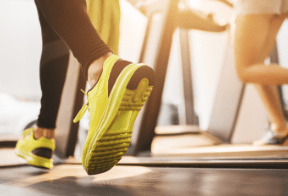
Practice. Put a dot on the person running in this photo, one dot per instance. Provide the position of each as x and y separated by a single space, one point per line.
257 25
118 91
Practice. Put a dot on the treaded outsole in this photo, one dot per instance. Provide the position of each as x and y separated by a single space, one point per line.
104 158
112 145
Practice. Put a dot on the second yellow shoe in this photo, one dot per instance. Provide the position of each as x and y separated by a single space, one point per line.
37 153
112 112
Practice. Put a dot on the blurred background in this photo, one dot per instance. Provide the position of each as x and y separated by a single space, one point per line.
20 50
201 141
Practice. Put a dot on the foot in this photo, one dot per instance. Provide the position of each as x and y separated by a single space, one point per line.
95 69
114 103
37 152
272 138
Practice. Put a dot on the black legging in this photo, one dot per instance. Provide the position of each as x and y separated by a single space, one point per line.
63 21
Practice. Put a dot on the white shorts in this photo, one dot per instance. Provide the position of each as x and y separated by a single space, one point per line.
245 7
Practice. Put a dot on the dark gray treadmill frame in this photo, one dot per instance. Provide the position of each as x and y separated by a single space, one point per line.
169 9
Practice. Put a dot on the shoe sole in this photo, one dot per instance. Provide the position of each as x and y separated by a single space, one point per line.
36 161
113 133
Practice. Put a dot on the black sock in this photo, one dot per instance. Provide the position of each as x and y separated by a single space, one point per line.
115 72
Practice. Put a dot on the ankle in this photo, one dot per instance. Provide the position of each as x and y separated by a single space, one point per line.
44 132
95 69
279 130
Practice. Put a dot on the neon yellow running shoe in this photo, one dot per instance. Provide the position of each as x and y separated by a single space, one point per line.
37 153
114 103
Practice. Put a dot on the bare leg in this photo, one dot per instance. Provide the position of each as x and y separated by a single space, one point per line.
254 38
44 132
271 100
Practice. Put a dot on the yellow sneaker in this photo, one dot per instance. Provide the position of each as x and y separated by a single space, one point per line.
37 153
112 114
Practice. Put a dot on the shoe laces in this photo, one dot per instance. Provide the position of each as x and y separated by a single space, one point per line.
82 110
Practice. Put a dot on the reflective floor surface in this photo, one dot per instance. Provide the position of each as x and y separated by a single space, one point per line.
71 179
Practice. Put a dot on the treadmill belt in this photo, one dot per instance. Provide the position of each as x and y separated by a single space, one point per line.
139 181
